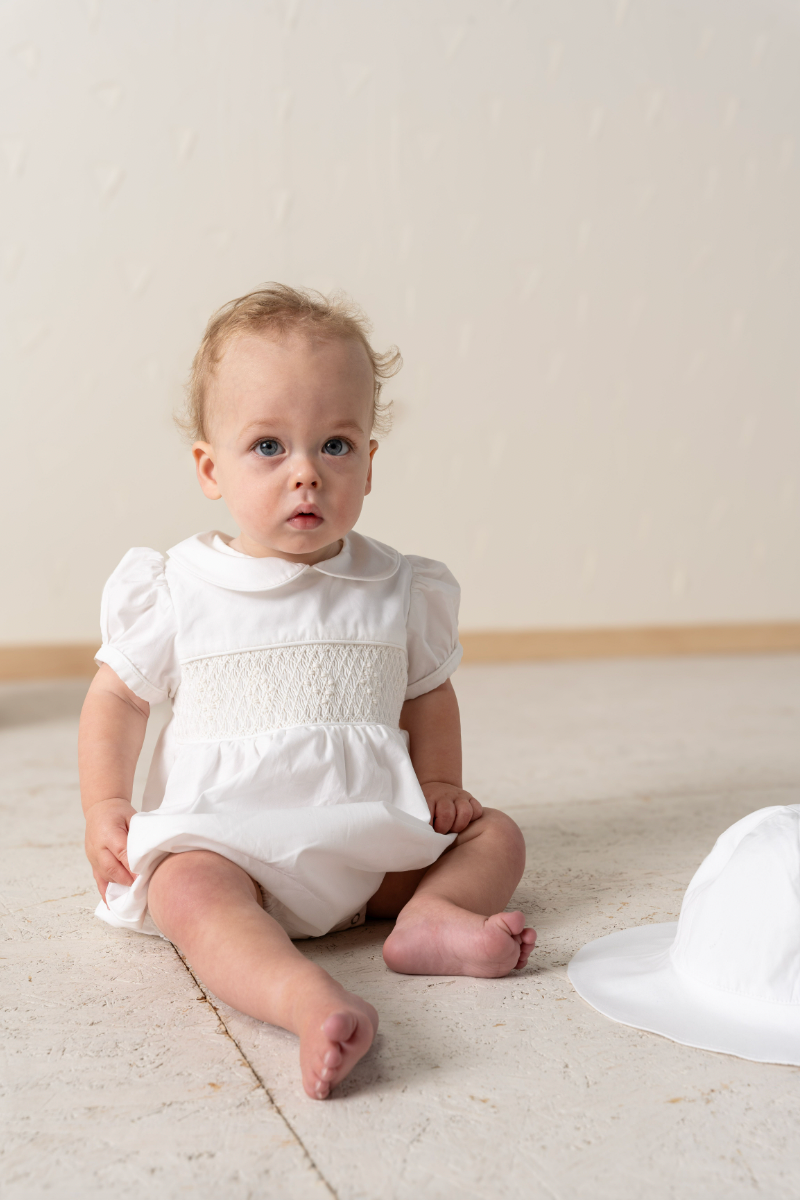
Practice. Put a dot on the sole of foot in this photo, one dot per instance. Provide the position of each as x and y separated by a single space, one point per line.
439 938
334 1037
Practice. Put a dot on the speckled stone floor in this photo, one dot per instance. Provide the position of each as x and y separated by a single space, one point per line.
122 1077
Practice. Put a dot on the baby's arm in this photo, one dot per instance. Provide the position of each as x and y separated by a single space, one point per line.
434 729
113 723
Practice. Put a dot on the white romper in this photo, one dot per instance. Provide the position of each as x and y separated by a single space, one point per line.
284 752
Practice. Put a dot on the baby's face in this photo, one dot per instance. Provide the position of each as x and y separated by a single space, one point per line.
290 449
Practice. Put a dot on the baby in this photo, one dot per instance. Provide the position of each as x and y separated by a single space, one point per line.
310 775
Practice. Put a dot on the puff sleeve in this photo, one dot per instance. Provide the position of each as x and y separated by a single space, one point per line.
432 642
138 624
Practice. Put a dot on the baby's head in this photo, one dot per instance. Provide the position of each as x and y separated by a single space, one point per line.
284 397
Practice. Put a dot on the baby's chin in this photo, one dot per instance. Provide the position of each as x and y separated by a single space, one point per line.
313 544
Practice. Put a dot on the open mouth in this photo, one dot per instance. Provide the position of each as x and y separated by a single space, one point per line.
305 517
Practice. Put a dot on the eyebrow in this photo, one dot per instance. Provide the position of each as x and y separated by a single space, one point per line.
266 424
348 425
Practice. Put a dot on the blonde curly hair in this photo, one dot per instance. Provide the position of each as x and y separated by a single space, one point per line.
279 309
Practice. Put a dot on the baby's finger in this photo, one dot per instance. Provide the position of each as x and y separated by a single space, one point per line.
463 813
477 808
102 884
112 869
444 816
117 843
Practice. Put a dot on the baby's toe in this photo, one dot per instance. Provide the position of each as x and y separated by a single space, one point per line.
514 922
339 1027
330 1062
315 1086
510 924
331 1049
526 943
326 1067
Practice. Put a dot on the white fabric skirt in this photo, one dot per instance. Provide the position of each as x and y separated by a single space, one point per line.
316 815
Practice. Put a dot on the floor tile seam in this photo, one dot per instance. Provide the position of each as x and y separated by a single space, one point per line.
52 900
258 1078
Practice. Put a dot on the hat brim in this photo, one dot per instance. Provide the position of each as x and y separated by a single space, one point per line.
629 977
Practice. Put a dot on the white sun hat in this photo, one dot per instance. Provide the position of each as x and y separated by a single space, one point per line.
726 976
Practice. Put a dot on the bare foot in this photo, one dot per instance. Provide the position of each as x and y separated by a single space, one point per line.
433 936
336 1029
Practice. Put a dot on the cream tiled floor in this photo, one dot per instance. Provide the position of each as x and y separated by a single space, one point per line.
122 1078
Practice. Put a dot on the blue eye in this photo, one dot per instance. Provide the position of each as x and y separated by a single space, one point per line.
336 447
268 448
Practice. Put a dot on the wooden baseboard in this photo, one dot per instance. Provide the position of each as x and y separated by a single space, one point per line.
74 660
499 645
526 645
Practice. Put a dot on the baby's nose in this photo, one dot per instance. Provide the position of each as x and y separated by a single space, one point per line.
305 476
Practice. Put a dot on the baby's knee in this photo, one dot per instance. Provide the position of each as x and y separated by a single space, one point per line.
169 892
182 884
500 828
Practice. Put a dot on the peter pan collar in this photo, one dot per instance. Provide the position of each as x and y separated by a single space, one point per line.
360 559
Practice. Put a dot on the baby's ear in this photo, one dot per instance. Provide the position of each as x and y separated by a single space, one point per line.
205 465
373 446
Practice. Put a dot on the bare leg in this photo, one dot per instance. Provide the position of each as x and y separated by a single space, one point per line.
450 919
210 909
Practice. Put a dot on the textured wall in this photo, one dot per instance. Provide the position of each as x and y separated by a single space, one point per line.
578 220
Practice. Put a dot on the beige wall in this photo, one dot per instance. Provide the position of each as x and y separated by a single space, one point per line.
579 220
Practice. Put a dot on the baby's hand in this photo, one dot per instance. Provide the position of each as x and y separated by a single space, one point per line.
107 825
452 809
